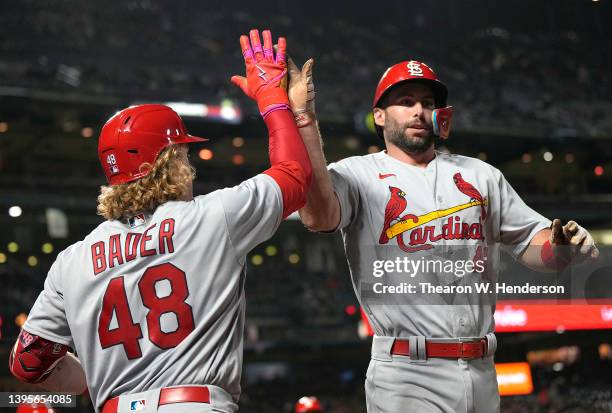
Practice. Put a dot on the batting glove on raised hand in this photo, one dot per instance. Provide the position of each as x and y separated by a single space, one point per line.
301 92
580 242
266 74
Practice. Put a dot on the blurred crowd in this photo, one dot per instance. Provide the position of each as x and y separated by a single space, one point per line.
549 80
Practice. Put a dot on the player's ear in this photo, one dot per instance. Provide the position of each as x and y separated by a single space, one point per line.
379 117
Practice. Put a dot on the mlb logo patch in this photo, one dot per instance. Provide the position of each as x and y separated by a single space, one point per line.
137 405
137 220
111 160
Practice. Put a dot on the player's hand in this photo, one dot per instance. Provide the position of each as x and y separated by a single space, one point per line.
266 74
301 92
578 241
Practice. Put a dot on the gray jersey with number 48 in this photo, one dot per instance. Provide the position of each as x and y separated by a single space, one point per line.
159 300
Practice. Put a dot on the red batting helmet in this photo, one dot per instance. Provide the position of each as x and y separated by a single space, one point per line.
413 71
33 408
135 136
308 404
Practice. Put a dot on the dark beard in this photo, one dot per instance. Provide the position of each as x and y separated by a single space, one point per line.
395 134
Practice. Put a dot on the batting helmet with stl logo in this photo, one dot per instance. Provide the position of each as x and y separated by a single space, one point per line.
308 404
410 71
135 136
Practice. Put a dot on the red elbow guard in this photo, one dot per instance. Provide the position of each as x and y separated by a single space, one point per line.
33 358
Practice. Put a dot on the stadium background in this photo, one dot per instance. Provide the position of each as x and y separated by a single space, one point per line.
530 81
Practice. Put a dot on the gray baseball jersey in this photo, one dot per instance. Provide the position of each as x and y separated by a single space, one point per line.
159 300
453 209
457 209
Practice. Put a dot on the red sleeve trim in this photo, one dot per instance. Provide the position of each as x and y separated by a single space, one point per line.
292 181
286 144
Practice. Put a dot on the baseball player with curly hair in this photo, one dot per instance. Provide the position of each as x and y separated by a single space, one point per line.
411 201
152 300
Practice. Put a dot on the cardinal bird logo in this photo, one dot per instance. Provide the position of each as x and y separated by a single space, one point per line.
395 206
421 235
469 189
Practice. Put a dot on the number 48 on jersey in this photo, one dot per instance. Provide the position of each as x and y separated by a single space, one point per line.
128 333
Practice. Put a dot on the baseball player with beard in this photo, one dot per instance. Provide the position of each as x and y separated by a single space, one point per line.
152 300
411 201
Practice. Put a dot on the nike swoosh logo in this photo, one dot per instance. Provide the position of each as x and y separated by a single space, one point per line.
383 176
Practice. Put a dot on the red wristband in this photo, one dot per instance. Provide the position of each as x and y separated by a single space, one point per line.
304 118
272 96
552 258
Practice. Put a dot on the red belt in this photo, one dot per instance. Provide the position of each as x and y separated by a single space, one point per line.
169 395
454 350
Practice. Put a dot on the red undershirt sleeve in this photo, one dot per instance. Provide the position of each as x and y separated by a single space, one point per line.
291 168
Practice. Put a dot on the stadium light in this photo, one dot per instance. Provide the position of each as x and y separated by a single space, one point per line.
257 260
32 261
350 309
87 132
189 109
238 159
238 142
15 211
229 113
12 247
206 154
20 319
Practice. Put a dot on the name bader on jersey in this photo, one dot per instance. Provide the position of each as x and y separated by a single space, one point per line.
118 250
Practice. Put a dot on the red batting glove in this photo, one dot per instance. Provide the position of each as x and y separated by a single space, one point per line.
266 75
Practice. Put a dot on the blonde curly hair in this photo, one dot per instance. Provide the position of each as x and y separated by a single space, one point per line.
170 179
